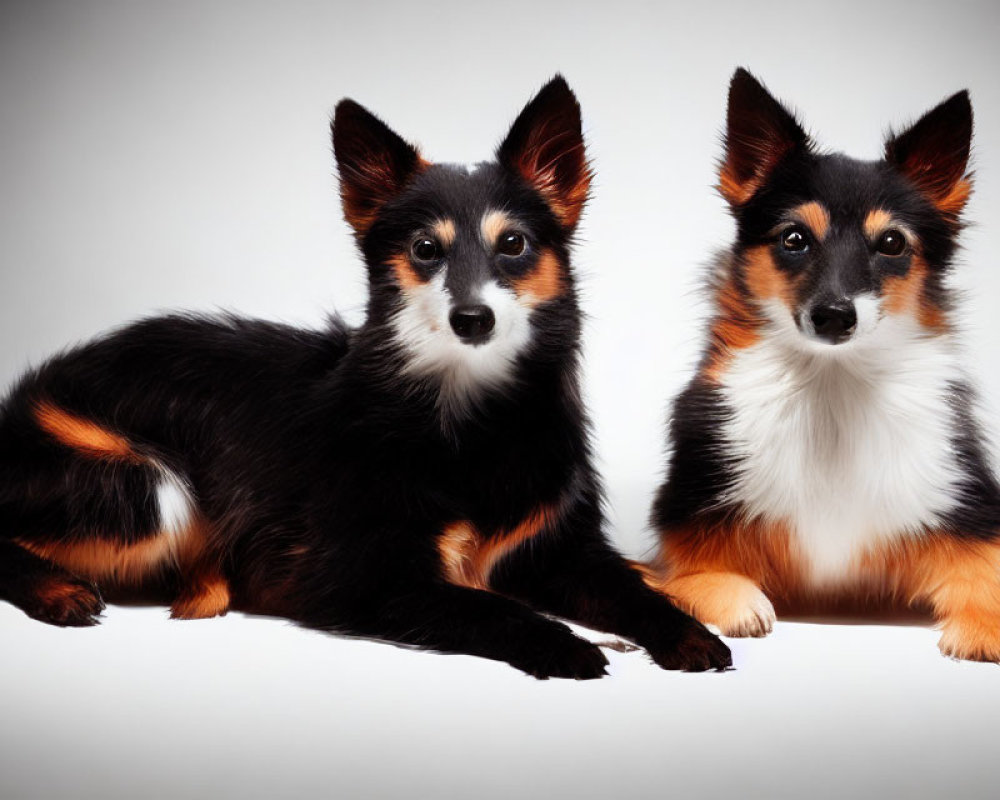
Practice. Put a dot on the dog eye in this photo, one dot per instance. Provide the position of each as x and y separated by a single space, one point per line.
511 244
794 240
891 243
426 250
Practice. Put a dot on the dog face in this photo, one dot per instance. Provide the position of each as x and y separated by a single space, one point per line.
838 254
468 268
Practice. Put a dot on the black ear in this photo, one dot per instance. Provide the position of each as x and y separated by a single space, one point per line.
545 147
760 132
373 161
934 153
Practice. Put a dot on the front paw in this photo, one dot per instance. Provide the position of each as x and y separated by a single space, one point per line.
733 603
66 601
563 656
693 649
971 637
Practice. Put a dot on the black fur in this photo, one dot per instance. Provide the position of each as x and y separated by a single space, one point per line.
325 472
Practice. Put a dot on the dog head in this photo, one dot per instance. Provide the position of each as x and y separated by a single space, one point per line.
468 268
836 253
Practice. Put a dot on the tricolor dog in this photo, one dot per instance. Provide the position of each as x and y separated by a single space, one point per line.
424 479
826 451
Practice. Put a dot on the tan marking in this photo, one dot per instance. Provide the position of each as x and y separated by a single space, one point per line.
101 559
815 217
715 571
55 591
492 225
958 578
206 596
444 232
545 168
731 602
82 435
543 283
735 191
953 202
406 275
907 294
739 321
468 557
763 278
364 193
876 222
735 327
759 550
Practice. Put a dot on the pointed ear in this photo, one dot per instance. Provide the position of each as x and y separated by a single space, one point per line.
760 132
934 154
545 147
374 163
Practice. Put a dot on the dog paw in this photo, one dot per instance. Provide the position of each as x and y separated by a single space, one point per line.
751 614
730 602
694 649
204 599
971 638
66 601
569 657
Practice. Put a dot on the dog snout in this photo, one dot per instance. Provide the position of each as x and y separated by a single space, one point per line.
472 323
834 322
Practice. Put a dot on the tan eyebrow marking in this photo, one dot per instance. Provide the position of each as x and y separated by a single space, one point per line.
493 224
444 232
815 217
876 221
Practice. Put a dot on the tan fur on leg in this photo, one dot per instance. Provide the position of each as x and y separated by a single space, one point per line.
961 581
731 602
207 596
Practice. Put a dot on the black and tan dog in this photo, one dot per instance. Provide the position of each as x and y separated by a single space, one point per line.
826 453
424 479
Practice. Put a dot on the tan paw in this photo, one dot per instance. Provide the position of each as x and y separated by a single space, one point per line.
206 598
730 602
971 637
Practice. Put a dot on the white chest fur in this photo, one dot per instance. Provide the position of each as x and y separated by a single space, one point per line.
849 447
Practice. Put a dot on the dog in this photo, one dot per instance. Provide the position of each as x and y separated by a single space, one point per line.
826 453
424 479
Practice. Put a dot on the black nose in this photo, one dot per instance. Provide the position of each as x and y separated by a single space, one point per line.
834 322
472 323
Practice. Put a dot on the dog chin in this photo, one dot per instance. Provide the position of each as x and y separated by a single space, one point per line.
463 371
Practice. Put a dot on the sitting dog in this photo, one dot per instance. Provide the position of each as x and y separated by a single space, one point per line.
826 450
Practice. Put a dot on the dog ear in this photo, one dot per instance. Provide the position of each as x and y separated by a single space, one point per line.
934 153
760 132
545 147
373 162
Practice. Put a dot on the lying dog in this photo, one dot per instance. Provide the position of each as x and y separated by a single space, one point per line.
424 479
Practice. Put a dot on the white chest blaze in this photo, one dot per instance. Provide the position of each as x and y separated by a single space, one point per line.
850 446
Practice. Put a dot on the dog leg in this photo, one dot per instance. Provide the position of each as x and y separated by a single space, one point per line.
456 619
45 591
961 580
205 595
589 582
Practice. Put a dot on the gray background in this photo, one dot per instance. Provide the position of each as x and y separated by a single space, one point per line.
176 155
